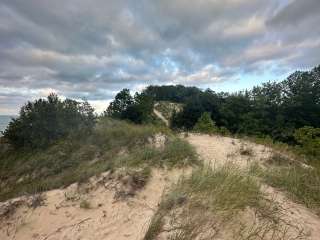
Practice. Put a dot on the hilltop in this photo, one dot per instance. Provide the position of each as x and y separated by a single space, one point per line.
171 162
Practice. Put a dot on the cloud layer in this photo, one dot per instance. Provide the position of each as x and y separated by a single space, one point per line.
92 48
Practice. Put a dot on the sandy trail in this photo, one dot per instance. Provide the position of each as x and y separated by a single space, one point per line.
217 151
159 115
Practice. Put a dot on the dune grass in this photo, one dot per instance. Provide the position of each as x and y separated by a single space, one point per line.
112 144
214 203
300 182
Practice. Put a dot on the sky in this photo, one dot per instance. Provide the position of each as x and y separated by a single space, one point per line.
91 49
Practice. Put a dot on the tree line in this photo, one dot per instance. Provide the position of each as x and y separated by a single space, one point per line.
274 109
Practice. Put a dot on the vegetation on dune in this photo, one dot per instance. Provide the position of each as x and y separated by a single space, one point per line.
211 203
275 109
300 182
177 94
54 143
205 124
308 139
137 109
45 121
112 144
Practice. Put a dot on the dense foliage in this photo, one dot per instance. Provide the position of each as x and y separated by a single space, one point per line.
137 109
46 120
205 124
309 140
275 109
178 94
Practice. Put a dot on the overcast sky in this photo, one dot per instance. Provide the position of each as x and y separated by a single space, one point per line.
90 49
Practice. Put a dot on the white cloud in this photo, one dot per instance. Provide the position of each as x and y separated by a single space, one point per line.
92 49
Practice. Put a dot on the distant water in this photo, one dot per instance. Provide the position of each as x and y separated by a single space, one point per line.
4 121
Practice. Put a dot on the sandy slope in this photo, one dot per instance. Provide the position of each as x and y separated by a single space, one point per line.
217 150
62 218
159 115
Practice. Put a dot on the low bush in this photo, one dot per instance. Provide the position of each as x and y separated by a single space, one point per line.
85 204
205 124
309 140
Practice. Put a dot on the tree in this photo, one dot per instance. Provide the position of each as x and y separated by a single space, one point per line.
44 121
309 139
188 117
140 111
120 104
205 124
137 109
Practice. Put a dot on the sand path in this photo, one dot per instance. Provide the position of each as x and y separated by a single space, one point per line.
217 150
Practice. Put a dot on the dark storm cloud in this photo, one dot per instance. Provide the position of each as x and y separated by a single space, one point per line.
91 49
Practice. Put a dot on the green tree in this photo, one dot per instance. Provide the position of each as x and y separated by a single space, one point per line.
205 124
140 111
46 120
137 109
121 102
309 139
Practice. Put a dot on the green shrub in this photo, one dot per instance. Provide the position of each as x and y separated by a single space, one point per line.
85 204
44 121
309 139
175 153
224 131
205 124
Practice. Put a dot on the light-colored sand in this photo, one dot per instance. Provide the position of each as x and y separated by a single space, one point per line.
217 150
159 115
61 218
107 218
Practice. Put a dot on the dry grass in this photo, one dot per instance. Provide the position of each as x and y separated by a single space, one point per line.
300 182
246 150
112 145
85 204
225 202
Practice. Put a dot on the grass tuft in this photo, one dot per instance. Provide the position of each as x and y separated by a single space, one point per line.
219 203
301 183
85 204
246 150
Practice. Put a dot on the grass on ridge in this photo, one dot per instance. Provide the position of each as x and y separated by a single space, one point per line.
300 182
113 144
217 202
